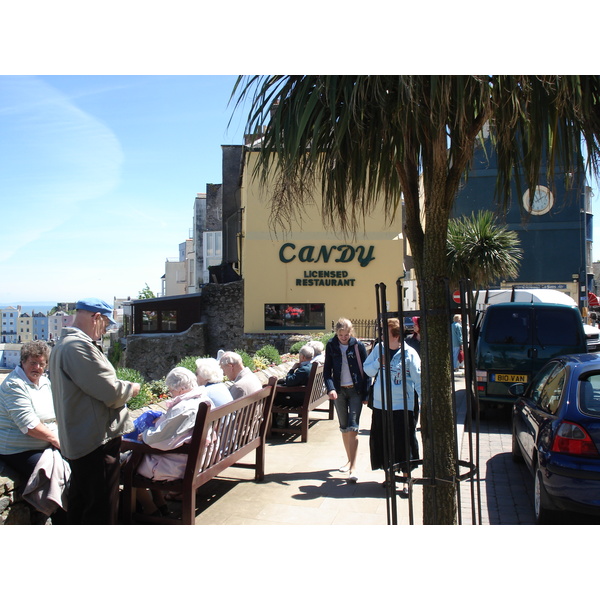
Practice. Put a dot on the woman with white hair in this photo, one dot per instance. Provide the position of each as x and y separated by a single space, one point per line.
210 375
174 428
319 351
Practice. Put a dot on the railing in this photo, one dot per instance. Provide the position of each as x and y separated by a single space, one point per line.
363 328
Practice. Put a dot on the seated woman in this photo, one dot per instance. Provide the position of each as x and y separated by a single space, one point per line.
174 428
27 420
319 350
210 375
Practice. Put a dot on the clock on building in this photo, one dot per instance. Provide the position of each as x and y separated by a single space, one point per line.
540 202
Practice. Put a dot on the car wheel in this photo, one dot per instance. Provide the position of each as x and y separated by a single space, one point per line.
543 515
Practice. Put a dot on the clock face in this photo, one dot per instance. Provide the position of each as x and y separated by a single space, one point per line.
540 202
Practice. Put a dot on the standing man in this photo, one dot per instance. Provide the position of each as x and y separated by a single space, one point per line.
457 340
89 402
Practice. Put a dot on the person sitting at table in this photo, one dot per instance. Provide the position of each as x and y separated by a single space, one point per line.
210 375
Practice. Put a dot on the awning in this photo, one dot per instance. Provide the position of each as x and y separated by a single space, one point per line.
593 300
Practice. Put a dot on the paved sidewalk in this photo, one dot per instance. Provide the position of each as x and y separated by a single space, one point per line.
303 486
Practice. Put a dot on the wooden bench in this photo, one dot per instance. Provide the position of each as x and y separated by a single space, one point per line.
315 394
234 430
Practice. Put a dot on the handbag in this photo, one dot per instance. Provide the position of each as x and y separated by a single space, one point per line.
461 356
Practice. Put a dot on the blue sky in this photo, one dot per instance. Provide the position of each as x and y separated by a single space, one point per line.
98 172
99 176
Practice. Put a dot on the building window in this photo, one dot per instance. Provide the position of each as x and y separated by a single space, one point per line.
149 320
159 321
294 316
169 320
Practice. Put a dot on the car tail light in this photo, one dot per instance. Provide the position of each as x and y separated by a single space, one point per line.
573 439
482 377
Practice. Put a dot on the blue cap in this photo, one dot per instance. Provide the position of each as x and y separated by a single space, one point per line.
95 305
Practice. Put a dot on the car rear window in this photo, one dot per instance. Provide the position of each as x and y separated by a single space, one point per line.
508 326
589 395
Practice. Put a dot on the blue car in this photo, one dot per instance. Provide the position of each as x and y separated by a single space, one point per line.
556 431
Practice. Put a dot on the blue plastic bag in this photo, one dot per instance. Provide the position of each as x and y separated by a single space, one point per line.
143 422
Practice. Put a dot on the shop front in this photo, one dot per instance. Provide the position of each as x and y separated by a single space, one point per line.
306 278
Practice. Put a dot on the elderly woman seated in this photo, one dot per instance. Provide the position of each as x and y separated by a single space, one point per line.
27 419
28 428
171 430
319 350
210 375
174 428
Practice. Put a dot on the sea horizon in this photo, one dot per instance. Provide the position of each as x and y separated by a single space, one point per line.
42 306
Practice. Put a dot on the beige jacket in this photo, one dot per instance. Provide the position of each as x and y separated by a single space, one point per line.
89 400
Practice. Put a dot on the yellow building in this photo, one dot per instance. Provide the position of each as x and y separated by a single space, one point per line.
25 328
307 278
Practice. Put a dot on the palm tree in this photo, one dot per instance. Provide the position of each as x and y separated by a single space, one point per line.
481 250
364 140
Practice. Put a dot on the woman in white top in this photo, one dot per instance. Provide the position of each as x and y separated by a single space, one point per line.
346 385
27 418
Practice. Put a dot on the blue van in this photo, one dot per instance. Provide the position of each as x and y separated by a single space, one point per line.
517 338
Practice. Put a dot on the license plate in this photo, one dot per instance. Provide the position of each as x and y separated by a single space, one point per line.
509 378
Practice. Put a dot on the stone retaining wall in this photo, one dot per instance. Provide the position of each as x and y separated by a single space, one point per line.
13 509
154 355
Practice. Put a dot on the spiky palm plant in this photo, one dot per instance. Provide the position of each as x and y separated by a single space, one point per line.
481 250
366 141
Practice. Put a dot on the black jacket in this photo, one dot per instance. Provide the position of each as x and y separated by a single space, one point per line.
332 369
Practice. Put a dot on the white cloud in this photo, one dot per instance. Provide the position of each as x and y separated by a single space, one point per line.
55 156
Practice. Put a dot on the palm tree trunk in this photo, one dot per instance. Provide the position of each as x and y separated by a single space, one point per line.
438 429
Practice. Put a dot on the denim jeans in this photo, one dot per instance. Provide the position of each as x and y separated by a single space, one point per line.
348 405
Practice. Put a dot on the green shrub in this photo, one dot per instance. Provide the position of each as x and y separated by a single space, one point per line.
270 353
295 348
246 359
325 338
115 353
189 362
127 374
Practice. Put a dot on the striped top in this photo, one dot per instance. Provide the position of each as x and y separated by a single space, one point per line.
23 405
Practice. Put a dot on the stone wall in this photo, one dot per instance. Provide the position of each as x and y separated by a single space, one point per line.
154 355
222 328
223 316
13 509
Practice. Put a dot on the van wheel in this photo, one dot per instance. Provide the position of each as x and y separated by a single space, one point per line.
543 515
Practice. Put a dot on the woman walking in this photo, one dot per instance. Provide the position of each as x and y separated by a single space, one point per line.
347 386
